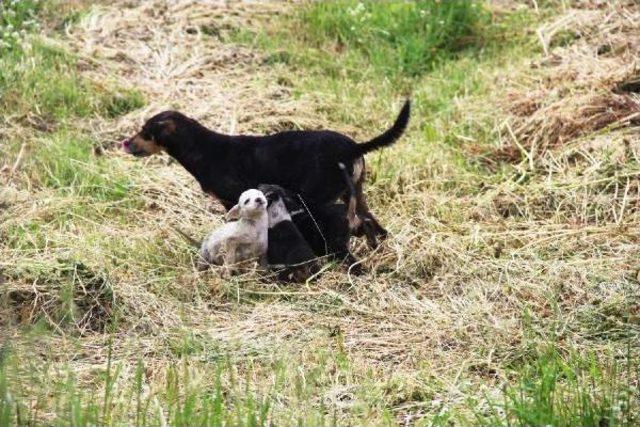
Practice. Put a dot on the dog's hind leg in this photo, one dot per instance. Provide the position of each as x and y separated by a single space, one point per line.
351 263
359 224
369 221
349 198
368 224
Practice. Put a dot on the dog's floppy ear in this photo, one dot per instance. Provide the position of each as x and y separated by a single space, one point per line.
233 214
167 127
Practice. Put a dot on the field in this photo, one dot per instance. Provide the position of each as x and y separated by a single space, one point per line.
508 292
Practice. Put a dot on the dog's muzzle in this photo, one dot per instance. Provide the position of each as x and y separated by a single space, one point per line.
127 146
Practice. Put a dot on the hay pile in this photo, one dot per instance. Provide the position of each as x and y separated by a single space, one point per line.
587 80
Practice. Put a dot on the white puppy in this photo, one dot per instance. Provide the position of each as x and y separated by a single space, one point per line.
241 240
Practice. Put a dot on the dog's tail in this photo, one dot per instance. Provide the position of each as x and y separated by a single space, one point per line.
186 237
390 135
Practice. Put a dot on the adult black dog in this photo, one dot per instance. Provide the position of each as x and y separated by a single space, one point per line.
305 162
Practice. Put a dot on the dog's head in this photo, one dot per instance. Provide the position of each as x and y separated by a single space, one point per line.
251 205
277 198
159 132
272 192
275 193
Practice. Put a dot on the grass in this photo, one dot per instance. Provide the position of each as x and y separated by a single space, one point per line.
409 38
507 294
576 389
66 162
182 401
16 18
46 83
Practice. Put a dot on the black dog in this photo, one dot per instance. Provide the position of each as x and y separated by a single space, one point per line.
288 252
304 162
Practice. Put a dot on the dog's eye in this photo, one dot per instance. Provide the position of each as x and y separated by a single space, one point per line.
246 201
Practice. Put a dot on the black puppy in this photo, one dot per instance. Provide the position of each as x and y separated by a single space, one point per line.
304 162
288 252
325 227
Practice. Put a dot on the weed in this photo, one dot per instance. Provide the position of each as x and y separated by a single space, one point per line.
17 17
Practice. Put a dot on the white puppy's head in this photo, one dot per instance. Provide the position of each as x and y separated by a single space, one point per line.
252 204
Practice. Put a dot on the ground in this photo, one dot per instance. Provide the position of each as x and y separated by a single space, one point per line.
507 292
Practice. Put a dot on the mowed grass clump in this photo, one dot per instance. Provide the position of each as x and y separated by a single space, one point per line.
406 38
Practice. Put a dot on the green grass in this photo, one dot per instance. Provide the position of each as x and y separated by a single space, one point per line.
181 400
210 390
45 82
551 389
41 87
574 389
66 162
16 18
409 38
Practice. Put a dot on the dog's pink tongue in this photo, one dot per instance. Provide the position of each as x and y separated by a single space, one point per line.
125 145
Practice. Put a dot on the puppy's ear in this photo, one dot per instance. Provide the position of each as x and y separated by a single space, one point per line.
233 214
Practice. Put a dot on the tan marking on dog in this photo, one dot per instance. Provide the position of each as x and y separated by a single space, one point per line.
358 169
358 174
145 145
354 219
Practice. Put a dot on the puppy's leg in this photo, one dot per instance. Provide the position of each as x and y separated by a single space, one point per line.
263 263
229 257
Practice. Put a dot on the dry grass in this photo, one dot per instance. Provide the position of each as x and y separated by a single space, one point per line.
582 84
467 288
175 53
